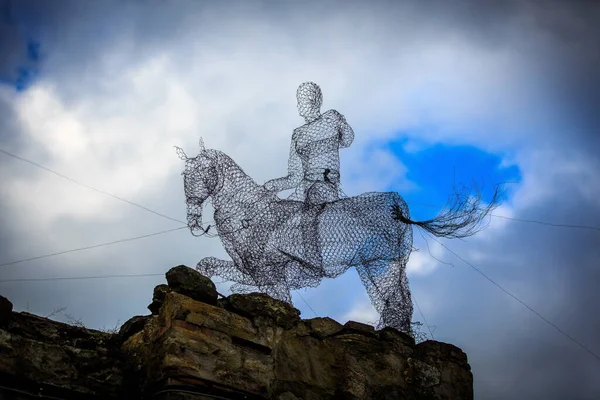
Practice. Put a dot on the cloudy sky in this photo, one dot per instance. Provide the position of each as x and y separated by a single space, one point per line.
436 92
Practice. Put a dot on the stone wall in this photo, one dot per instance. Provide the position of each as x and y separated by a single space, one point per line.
44 357
195 346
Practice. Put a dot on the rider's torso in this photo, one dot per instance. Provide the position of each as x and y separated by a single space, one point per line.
317 143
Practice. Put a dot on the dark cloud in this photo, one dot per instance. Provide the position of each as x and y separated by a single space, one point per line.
561 38
11 45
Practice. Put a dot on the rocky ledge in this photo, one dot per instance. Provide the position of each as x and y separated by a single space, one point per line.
196 346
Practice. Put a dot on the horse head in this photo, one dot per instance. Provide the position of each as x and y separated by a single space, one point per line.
201 180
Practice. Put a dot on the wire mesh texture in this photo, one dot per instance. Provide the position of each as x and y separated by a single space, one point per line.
279 245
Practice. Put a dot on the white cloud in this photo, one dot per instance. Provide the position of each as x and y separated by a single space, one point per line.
361 311
546 173
421 262
374 170
237 90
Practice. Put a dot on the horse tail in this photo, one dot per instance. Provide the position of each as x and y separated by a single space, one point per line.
463 215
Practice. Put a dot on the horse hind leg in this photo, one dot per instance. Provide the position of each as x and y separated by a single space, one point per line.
387 285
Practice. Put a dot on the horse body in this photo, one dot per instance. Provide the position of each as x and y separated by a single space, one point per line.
281 245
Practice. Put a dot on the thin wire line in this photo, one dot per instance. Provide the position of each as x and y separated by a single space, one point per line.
177 220
299 294
92 247
549 223
69 278
429 250
423 316
521 301
125 276
90 187
595 228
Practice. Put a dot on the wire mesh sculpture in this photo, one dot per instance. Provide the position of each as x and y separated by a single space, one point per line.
277 246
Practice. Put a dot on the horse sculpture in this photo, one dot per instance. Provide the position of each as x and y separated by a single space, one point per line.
267 241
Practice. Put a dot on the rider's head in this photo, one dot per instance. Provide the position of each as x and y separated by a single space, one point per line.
310 99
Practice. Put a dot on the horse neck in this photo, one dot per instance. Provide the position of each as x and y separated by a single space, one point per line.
235 185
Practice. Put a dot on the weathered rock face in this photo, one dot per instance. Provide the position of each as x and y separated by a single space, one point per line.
5 311
40 356
240 347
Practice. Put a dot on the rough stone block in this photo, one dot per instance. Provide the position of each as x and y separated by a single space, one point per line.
191 283
259 306
132 326
158 297
353 326
323 327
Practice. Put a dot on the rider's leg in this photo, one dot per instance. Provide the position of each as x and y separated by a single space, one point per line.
317 196
312 260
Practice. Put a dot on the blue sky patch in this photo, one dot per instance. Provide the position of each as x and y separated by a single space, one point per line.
27 69
438 168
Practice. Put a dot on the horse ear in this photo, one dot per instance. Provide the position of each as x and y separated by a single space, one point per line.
180 153
201 143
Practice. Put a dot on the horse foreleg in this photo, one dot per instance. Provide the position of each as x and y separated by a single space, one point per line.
387 285
211 266
244 283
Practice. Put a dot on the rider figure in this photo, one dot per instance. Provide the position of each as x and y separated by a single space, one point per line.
314 164
314 169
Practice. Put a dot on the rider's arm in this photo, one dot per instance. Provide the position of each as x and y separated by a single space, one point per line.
294 176
346 134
